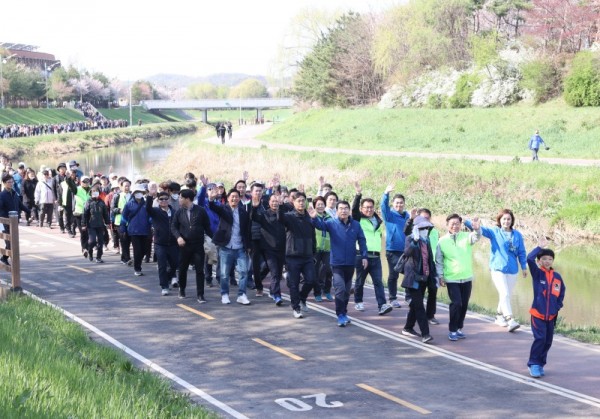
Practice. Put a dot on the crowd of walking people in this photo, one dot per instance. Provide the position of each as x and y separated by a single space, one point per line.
93 120
319 244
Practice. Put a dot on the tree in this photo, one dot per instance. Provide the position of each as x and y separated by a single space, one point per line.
509 15
352 66
484 49
249 88
201 91
59 90
564 25
582 84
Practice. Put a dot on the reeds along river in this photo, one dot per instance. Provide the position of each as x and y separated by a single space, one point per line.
579 265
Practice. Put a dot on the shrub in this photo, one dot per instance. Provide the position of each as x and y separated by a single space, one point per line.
436 101
582 85
543 78
465 86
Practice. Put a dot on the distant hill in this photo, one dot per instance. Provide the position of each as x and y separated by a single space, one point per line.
221 79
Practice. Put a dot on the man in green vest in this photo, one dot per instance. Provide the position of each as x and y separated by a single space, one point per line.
363 211
454 265
116 208
81 194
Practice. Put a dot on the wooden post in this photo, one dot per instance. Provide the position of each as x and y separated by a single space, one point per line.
13 217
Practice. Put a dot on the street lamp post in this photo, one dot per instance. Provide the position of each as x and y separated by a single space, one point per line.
46 71
130 108
2 62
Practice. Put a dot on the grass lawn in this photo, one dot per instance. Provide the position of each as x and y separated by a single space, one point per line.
38 116
50 368
138 113
570 132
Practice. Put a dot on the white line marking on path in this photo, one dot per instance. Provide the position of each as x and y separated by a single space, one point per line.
193 389
551 388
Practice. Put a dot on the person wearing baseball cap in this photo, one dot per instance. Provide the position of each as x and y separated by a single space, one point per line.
135 222
81 195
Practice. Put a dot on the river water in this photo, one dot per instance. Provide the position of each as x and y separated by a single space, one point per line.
578 265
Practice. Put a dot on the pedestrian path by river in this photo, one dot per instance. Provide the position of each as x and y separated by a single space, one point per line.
246 136
308 366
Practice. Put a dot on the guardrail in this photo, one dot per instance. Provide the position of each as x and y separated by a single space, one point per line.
12 237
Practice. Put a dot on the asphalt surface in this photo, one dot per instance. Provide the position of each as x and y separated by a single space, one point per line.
234 357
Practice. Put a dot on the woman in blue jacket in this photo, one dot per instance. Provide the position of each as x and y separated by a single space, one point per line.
507 253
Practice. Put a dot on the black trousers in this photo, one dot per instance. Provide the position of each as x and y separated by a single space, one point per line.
192 253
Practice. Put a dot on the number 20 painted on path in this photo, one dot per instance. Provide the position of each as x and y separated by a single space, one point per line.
297 405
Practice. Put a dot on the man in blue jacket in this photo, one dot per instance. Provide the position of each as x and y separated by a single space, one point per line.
344 233
136 224
395 218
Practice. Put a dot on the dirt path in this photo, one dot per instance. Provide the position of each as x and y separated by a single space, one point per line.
246 137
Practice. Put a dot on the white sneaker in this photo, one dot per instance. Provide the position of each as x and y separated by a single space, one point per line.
174 283
501 321
297 314
513 325
242 299
359 307
303 306
165 291
225 299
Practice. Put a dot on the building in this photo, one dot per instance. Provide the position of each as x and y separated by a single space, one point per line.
27 55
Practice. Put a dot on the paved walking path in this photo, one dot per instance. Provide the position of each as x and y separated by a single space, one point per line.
258 361
245 136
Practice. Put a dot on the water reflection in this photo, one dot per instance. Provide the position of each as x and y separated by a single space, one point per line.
131 160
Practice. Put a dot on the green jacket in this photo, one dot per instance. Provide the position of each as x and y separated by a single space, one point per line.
322 237
454 256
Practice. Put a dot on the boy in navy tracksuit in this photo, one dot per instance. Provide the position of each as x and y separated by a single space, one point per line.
548 296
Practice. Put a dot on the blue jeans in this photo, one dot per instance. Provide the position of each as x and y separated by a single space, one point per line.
374 269
168 259
295 267
392 259
342 282
228 258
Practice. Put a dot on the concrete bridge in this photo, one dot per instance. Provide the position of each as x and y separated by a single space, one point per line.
259 104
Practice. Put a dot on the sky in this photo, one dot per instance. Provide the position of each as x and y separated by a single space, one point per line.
131 40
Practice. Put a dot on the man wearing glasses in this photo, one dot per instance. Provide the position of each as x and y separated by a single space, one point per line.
363 211
345 233
165 243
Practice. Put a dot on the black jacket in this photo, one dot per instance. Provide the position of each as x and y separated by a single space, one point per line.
414 262
10 201
194 229
222 236
300 234
272 230
161 223
95 214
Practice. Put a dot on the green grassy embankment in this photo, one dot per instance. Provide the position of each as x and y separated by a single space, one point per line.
38 116
570 132
50 368
59 144
557 200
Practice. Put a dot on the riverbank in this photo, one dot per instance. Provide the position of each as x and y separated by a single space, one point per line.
56 145
555 200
